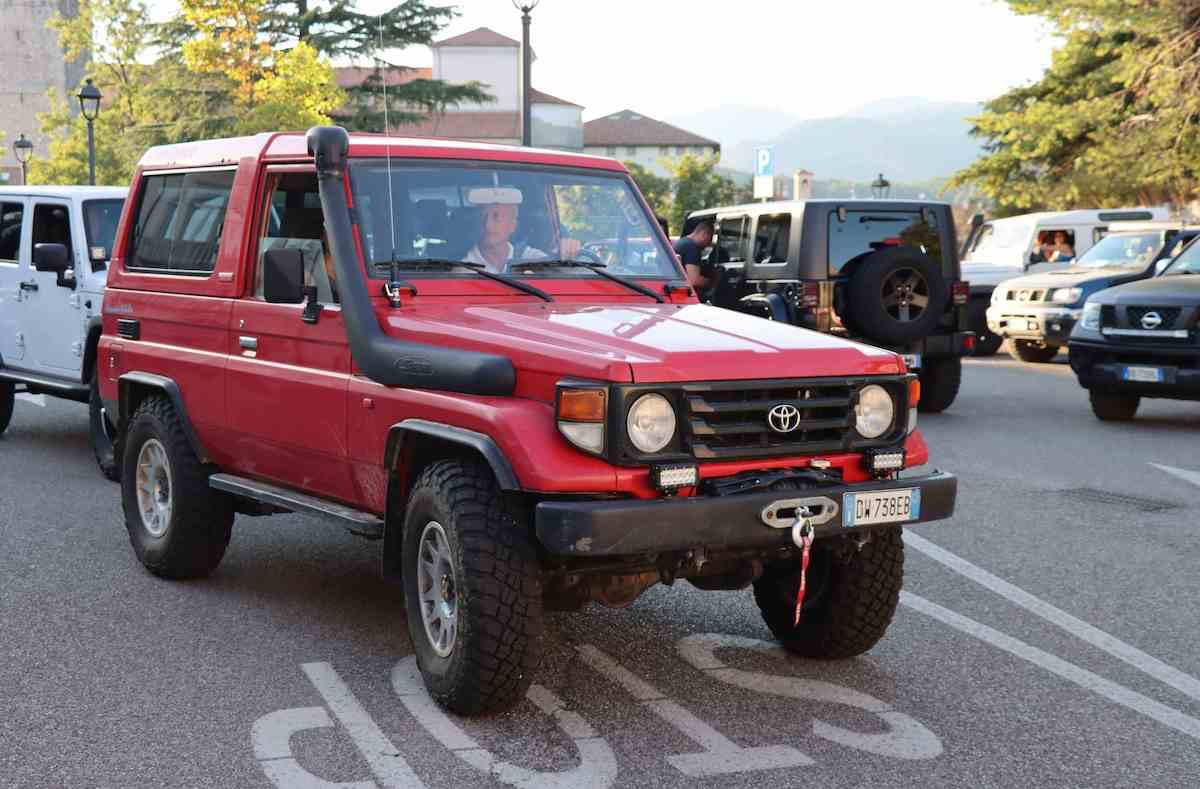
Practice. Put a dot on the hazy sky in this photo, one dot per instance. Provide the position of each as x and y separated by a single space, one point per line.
808 57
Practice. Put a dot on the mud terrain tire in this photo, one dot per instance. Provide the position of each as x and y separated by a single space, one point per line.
8 398
187 538
872 290
481 557
1031 351
940 381
1111 407
848 608
100 435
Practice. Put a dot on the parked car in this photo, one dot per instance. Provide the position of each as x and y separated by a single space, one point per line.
55 244
541 433
1037 312
1000 249
882 272
1141 340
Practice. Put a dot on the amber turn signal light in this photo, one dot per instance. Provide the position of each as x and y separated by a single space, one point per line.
582 405
914 392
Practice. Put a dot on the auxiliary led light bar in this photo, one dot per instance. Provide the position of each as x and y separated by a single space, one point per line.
669 478
881 461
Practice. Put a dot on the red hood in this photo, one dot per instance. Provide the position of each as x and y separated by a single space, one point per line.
641 343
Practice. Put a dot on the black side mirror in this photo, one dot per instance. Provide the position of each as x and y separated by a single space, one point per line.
51 257
283 276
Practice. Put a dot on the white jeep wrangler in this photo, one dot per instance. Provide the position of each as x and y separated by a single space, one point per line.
55 242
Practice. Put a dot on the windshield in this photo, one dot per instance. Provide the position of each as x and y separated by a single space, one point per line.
500 216
1123 250
999 239
1188 262
100 219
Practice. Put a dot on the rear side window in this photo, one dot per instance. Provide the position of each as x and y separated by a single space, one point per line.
12 215
771 238
731 240
178 225
100 218
865 232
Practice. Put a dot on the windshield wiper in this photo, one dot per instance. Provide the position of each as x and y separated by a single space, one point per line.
478 268
597 268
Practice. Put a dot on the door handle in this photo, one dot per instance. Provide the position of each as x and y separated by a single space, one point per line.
29 285
248 343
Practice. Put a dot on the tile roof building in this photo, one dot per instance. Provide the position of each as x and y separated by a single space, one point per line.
635 137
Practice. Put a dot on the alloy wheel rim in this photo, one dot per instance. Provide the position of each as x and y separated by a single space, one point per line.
905 294
153 484
436 589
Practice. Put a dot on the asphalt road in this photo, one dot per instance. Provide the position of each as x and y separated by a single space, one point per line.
1047 637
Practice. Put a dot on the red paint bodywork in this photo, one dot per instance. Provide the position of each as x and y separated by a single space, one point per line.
296 412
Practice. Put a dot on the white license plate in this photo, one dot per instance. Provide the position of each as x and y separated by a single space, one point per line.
912 361
1152 375
881 506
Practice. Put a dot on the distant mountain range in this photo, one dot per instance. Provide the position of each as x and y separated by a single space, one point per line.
908 139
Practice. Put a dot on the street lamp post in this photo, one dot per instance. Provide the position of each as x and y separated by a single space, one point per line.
23 149
89 105
526 65
880 187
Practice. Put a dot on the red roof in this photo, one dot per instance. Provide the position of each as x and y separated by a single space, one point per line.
466 125
538 97
479 37
353 76
633 128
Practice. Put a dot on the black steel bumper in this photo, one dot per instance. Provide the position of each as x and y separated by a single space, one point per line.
630 527
1101 366
1051 325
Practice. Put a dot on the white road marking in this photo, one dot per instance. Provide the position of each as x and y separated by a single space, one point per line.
386 762
271 736
1135 657
905 738
37 399
721 756
597 763
1183 473
1055 665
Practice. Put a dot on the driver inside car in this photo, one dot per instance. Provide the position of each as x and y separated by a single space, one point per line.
498 223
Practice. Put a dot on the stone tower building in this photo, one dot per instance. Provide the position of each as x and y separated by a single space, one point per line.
31 63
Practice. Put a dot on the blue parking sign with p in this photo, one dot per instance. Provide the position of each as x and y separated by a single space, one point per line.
764 161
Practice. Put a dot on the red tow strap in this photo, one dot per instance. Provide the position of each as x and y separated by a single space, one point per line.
805 541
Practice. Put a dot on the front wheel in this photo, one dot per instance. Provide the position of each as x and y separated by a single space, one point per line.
849 602
1033 351
8 398
940 381
1114 407
472 589
102 434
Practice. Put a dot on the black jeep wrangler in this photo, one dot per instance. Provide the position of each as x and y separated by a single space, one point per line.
1141 340
883 272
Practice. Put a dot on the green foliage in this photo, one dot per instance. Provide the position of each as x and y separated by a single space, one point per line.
656 189
693 183
1113 121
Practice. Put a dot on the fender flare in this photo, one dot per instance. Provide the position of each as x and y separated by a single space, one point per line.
125 386
92 339
765 304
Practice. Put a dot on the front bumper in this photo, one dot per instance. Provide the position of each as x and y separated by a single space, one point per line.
1102 366
1051 324
630 527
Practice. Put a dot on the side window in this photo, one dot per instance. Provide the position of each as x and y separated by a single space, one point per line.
771 238
52 225
731 240
293 220
12 215
864 232
179 219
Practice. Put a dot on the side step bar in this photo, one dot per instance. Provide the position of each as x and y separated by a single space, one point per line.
357 522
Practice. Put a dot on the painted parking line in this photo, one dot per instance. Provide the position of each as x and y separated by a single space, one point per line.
1147 664
1182 473
36 399
1119 694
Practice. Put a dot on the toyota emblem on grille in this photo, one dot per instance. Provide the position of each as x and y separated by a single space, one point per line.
783 418
1151 320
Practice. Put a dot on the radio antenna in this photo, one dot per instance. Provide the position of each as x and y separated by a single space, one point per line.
393 288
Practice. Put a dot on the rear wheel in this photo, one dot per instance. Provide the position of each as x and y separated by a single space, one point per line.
178 526
986 343
8 397
472 589
940 381
1114 407
102 434
850 598
1032 351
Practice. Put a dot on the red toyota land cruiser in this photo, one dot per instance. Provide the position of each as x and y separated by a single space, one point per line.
488 359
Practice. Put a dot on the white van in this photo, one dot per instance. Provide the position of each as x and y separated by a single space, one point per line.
55 243
1000 249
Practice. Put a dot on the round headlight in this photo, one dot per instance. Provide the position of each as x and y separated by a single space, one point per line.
874 413
651 423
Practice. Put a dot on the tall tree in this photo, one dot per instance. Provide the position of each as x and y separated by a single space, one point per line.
1114 120
696 184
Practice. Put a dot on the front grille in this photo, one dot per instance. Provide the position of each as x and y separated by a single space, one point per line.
1027 294
732 421
1122 324
1168 315
1108 315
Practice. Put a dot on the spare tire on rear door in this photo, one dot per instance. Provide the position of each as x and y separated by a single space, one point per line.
896 295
